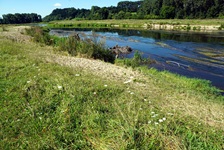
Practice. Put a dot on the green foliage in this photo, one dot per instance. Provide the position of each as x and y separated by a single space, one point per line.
146 9
20 18
134 62
221 27
40 35
90 48
167 12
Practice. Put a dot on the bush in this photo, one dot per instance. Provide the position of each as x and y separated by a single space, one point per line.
88 47
40 35
136 61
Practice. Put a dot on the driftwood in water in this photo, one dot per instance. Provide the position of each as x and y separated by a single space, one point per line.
118 50
178 64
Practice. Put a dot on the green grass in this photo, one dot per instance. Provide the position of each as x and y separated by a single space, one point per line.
191 24
48 106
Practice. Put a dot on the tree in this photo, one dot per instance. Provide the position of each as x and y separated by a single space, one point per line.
167 12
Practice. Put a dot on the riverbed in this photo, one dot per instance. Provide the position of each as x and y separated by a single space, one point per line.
192 54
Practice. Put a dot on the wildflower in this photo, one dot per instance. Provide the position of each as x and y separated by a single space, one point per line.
149 122
152 112
77 75
132 93
59 87
105 85
150 102
156 123
140 108
145 100
155 115
164 119
28 81
160 120
94 93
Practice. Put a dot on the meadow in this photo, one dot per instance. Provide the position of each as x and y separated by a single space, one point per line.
199 25
47 102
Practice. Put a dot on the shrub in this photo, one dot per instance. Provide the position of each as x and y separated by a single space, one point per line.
88 47
136 61
40 35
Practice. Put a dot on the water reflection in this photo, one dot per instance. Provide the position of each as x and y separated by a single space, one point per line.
202 52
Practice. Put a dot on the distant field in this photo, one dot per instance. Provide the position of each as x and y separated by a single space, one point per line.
199 25
156 21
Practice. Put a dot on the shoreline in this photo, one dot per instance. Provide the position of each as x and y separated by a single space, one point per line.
201 26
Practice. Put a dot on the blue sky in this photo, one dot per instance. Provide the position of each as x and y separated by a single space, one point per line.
45 7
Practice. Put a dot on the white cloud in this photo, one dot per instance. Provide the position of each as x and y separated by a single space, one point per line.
57 5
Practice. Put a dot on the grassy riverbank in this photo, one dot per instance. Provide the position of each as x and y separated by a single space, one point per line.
199 25
50 100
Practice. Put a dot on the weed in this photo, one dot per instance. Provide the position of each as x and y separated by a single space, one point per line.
134 62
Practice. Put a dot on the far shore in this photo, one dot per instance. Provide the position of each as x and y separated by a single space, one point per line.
190 25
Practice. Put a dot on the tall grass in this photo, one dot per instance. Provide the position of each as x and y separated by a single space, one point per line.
86 47
134 62
48 106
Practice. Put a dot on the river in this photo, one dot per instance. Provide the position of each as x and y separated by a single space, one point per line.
198 55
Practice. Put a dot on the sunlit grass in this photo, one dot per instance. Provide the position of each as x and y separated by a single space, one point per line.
140 22
49 106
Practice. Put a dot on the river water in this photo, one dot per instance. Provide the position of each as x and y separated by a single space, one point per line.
198 55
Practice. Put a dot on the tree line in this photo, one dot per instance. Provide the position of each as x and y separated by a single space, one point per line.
20 18
143 9
146 9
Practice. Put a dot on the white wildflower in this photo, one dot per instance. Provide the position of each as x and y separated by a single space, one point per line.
145 100
149 122
28 81
105 85
152 112
94 93
132 93
156 123
59 87
164 119
155 115
77 75
160 120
